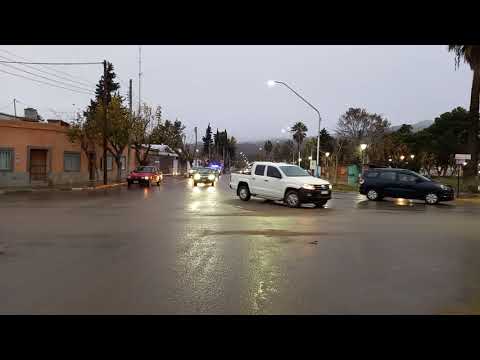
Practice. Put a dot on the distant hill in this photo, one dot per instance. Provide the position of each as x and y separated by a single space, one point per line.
416 126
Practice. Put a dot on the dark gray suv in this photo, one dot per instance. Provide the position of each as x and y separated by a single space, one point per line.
402 183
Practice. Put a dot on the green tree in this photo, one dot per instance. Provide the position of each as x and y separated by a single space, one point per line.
326 141
207 141
447 136
232 149
120 126
87 134
471 55
299 132
268 147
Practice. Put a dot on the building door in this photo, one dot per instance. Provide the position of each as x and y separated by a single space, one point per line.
38 165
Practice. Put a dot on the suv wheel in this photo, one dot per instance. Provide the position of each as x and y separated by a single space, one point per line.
373 195
291 199
431 199
244 193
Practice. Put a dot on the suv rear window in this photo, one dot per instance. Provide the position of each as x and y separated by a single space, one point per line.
260 170
388 175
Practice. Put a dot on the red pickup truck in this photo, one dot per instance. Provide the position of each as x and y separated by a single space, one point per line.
145 175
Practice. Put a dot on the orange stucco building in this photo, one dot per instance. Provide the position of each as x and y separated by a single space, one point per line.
40 153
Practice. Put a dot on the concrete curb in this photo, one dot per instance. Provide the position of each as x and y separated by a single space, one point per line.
99 187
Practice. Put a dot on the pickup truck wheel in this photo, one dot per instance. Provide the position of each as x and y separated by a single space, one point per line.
129 183
291 199
194 183
244 193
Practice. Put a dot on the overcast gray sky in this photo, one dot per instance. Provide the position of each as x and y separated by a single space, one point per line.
226 85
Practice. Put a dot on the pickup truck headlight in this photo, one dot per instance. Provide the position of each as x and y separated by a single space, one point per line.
190 171
308 187
196 176
211 177
146 177
443 187
330 186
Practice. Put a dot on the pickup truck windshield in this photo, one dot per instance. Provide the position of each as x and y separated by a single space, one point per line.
293 171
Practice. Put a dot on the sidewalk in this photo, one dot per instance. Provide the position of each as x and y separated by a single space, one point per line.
73 187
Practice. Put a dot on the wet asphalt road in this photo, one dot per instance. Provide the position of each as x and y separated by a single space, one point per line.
183 250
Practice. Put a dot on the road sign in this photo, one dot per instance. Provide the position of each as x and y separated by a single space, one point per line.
463 156
313 164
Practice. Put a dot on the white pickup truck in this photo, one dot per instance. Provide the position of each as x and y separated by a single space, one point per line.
281 181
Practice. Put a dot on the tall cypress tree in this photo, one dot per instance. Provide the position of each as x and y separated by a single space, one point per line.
207 141
110 89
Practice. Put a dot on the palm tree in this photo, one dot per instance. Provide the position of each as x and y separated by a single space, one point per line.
299 131
471 55
268 146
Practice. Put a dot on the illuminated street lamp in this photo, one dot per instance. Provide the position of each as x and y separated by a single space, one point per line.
272 83
363 147
402 157
309 158
412 156
327 154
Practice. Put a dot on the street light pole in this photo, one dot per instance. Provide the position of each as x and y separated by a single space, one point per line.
272 83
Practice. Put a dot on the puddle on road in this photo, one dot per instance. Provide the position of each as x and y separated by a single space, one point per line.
268 232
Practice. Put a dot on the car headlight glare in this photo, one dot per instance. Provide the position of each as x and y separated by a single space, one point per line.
146 177
443 187
308 187
196 176
211 177
330 186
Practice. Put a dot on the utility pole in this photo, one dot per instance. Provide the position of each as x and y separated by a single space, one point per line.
15 107
139 80
195 151
131 121
105 92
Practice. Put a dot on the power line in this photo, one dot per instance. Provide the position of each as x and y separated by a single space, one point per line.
46 78
50 73
43 82
52 69
51 63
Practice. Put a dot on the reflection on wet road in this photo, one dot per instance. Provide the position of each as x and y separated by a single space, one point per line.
180 249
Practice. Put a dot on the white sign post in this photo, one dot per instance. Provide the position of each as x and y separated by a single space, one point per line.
460 160
313 164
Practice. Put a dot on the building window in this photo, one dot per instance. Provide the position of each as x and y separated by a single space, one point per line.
6 160
123 162
109 163
71 161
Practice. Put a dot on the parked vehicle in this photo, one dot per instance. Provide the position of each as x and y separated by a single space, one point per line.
280 181
145 175
205 176
401 183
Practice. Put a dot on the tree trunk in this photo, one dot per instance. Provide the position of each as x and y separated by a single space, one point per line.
336 169
118 161
472 167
